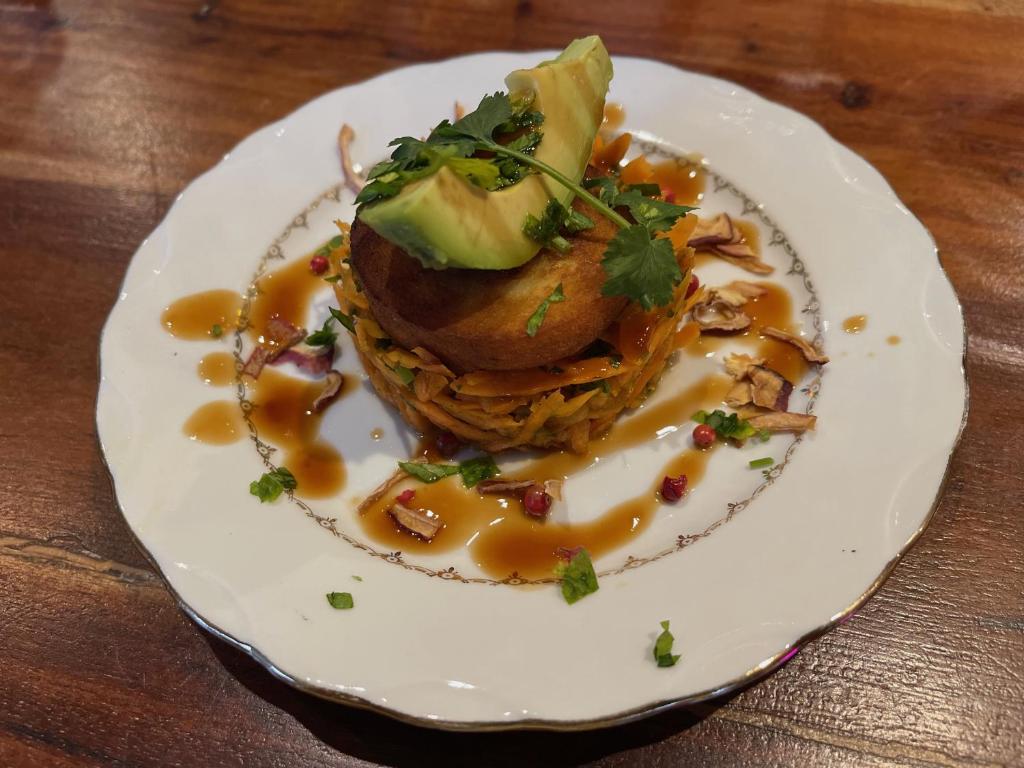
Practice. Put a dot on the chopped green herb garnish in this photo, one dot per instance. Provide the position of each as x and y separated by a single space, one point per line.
472 470
332 278
357 578
729 426
615 361
764 435
347 321
476 469
638 265
340 600
272 484
325 337
336 242
663 648
767 461
405 374
428 473
537 318
216 330
578 577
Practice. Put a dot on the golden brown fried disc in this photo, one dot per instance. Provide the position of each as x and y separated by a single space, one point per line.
476 319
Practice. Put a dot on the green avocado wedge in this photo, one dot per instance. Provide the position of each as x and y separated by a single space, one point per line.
445 220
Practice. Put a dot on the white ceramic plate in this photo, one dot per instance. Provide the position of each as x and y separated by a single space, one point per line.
433 641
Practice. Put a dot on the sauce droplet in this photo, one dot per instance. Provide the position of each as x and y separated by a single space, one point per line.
217 369
685 180
286 292
193 317
216 423
894 340
376 434
614 115
855 323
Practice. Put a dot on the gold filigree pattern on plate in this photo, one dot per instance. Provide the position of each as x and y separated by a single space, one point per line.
812 309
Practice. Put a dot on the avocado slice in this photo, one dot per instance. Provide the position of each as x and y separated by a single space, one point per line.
446 221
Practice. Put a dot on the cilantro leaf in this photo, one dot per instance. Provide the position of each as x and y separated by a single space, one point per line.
640 267
545 229
578 577
428 473
537 318
767 461
663 648
480 124
216 330
476 469
656 215
325 337
348 321
605 187
472 470
340 600
272 484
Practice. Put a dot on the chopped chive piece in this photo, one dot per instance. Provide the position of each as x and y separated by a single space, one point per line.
357 578
767 461
332 278
216 330
341 601
663 648
537 318
764 435
348 321
406 375
271 484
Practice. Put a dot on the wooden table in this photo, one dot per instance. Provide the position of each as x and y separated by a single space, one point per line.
109 109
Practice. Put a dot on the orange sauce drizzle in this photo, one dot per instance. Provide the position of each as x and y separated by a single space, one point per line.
216 423
192 317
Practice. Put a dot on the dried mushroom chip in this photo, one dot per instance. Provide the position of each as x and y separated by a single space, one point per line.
783 422
810 353
421 522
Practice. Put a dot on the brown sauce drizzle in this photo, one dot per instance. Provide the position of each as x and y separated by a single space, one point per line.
286 292
893 340
855 323
216 423
686 180
217 369
614 115
502 539
284 417
775 309
192 317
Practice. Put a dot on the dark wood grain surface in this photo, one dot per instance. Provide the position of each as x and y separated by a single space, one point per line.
107 109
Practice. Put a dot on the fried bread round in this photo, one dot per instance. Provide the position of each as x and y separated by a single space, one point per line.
476 319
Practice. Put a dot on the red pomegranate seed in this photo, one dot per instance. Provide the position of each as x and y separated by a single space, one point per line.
703 435
537 501
693 286
318 265
405 496
670 195
673 488
447 444
567 553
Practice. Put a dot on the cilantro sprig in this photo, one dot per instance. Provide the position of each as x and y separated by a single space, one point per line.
639 265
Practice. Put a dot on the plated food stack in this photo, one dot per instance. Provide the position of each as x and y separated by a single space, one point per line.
500 288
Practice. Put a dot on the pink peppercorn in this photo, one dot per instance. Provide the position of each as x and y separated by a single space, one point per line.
318 265
673 488
405 496
537 501
703 435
